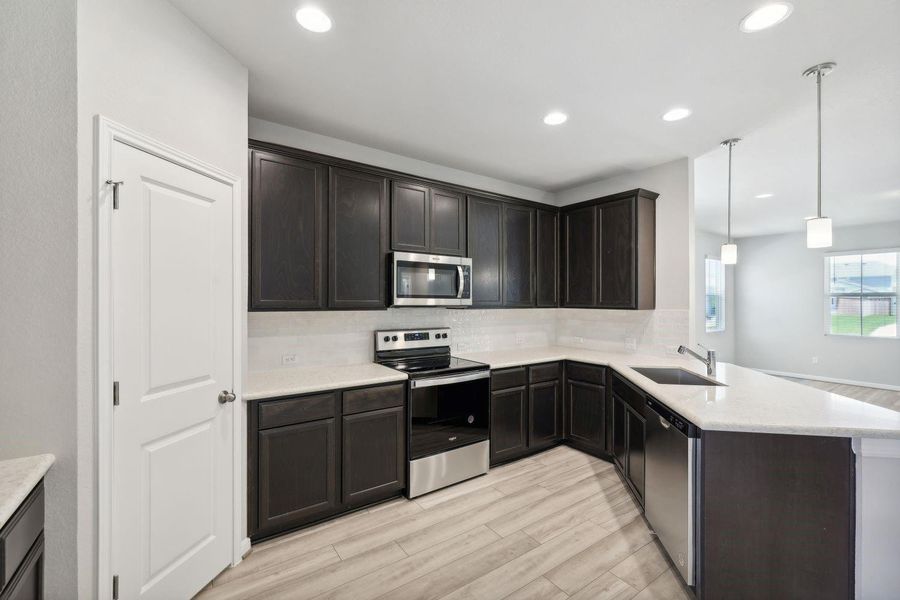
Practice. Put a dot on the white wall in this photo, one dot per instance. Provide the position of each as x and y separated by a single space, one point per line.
708 244
673 223
780 309
275 133
38 243
144 64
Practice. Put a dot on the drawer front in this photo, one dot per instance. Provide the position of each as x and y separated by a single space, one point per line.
543 372
20 532
374 398
507 378
289 411
586 372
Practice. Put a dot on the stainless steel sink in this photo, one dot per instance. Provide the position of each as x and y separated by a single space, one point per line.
674 376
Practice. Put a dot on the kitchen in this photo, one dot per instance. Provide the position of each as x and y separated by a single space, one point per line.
423 341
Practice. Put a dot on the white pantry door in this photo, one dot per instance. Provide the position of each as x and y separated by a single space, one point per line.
172 275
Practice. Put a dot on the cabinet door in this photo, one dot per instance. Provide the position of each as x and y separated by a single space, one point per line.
620 433
484 242
579 285
358 239
547 258
508 424
298 474
587 424
635 442
616 283
287 233
545 414
27 583
448 222
518 256
410 217
374 452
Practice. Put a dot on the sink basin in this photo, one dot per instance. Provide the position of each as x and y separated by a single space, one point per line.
674 376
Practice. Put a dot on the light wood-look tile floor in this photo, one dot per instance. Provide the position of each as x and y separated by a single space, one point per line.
885 398
557 525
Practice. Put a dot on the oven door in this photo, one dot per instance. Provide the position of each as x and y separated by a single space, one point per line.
448 412
431 280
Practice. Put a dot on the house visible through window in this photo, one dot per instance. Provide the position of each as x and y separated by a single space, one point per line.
715 295
861 293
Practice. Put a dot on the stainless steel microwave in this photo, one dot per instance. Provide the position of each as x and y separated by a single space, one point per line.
431 280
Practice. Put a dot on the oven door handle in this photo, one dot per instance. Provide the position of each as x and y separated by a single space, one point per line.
448 380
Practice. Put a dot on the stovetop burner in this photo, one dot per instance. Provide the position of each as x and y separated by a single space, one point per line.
421 352
432 365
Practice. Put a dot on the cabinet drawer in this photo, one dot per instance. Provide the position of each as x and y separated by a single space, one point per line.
543 372
507 378
374 398
20 532
275 413
586 372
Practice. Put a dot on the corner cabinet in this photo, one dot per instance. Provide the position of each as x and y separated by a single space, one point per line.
586 404
315 456
609 252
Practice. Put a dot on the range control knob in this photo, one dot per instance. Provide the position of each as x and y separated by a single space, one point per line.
394 338
387 338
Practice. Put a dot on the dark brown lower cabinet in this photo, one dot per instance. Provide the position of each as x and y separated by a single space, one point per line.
22 550
374 455
545 414
509 413
629 434
315 456
293 491
586 415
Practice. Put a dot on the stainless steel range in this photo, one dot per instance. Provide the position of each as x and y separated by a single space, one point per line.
448 407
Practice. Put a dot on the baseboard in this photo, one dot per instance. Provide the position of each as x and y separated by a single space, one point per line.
245 547
868 384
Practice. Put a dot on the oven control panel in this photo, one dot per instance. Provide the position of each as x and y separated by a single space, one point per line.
407 339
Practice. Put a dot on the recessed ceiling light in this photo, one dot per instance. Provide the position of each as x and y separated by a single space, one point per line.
313 19
766 16
555 118
677 114
764 195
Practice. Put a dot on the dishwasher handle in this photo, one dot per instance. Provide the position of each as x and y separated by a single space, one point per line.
668 418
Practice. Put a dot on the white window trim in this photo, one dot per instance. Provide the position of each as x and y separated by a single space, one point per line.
826 293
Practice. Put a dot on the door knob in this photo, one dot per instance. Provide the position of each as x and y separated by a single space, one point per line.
226 396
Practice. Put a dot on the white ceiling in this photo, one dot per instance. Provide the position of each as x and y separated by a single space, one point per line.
466 83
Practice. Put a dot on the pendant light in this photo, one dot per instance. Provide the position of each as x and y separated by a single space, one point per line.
729 250
818 230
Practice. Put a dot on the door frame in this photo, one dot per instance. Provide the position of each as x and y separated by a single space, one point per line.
106 134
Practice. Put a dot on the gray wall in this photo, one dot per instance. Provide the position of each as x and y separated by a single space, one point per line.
780 304
38 243
145 65
708 244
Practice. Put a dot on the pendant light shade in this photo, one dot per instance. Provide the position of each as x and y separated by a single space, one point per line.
728 254
818 230
818 233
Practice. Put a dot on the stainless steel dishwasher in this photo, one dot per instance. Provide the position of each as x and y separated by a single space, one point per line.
672 446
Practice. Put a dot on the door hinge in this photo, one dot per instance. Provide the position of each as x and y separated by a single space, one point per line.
115 587
115 393
115 185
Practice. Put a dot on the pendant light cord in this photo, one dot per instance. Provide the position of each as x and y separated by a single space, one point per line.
819 141
730 146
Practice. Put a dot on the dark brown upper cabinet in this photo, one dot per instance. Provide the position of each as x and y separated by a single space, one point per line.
427 219
609 252
484 248
547 258
287 232
357 239
518 256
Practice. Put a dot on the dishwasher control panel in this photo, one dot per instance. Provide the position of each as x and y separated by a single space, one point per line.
682 425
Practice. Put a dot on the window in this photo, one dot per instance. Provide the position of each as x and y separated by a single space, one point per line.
861 293
715 295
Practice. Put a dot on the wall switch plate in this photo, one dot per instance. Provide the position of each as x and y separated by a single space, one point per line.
579 340
289 359
630 344
815 360
519 339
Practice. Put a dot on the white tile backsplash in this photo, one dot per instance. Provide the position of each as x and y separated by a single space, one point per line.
346 337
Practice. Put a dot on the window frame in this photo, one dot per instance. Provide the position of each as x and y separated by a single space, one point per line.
828 295
722 292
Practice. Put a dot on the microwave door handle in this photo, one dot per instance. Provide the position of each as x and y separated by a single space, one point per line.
460 278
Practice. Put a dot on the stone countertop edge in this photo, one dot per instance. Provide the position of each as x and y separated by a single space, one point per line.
18 476
294 381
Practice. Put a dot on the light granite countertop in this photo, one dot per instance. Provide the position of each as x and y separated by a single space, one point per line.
304 380
749 400
18 476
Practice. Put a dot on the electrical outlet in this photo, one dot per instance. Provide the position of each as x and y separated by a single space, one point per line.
579 340
519 339
630 344
289 359
462 347
815 360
